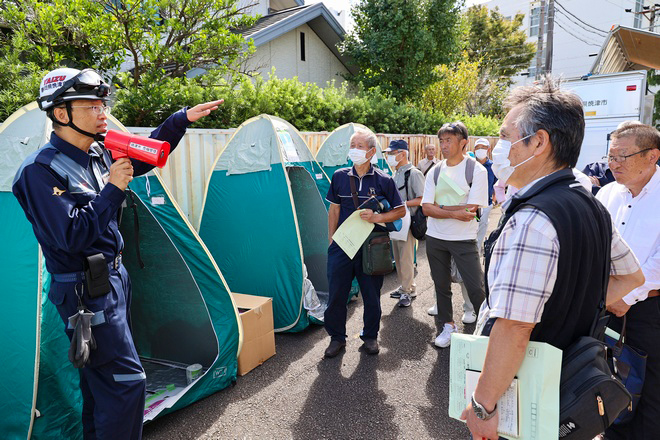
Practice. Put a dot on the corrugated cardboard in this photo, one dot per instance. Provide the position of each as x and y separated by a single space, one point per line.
258 336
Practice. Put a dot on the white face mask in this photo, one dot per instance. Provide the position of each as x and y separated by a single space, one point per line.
481 154
391 160
358 157
501 164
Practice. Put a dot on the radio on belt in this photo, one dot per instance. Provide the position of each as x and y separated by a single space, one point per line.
151 151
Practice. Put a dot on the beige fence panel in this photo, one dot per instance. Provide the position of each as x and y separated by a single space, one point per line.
189 167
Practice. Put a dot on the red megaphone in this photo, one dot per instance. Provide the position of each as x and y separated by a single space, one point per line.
151 151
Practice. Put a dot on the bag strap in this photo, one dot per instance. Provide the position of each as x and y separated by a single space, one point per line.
354 192
469 171
436 172
406 175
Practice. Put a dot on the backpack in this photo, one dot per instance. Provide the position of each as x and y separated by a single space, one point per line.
418 219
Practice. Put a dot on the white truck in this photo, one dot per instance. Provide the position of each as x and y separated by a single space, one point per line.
608 100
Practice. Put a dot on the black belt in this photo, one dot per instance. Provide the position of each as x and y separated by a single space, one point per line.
73 277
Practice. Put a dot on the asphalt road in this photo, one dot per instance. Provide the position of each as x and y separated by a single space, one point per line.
400 394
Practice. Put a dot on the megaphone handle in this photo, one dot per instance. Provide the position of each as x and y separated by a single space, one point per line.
117 154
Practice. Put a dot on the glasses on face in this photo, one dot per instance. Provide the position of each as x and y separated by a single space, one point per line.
621 159
97 109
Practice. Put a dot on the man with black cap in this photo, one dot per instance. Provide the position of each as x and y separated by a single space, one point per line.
71 192
410 183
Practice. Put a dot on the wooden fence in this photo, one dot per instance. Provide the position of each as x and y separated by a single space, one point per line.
189 167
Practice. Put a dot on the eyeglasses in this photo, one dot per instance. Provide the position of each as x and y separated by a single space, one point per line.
621 159
97 109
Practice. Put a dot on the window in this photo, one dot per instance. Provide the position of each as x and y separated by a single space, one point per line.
302 46
534 21
638 17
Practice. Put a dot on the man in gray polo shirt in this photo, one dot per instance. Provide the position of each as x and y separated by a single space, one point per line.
410 183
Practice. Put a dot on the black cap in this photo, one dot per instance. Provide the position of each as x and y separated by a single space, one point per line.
398 144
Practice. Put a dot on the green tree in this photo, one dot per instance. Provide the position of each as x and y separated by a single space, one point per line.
170 37
397 43
502 50
455 85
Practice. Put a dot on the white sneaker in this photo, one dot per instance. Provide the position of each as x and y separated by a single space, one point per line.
444 339
433 311
469 318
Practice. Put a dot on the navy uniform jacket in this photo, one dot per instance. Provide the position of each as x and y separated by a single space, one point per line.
72 211
374 182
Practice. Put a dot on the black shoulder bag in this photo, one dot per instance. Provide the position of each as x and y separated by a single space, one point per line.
418 219
590 396
377 248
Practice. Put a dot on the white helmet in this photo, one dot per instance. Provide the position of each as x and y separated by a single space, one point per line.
64 84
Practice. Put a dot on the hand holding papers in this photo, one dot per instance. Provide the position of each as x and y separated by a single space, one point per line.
352 233
447 192
537 383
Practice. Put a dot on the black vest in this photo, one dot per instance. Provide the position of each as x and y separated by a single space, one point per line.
584 230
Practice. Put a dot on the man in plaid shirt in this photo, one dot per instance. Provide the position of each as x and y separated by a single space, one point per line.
555 251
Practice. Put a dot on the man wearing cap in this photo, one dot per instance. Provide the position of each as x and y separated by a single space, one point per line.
410 183
368 181
71 192
481 151
634 204
452 225
429 161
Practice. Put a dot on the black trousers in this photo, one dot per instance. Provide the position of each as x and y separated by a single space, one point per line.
643 332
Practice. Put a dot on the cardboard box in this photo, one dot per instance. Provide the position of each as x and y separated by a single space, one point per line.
258 335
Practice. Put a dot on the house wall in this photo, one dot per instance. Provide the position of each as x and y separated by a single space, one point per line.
283 53
259 7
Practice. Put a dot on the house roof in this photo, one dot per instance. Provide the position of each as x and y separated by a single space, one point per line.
628 49
316 16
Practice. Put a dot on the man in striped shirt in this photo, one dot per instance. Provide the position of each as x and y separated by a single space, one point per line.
555 253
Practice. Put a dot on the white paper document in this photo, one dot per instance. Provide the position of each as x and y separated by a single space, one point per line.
507 406
530 410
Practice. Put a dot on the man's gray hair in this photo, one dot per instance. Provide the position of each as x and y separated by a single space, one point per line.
372 140
559 112
427 146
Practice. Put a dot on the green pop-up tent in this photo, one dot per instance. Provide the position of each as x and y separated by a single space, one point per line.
264 219
182 311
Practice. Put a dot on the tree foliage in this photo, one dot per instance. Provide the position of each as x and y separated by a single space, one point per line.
156 37
305 105
456 83
501 49
397 43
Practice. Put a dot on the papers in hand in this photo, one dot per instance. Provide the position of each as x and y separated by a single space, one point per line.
447 192
402 234
507 406
537 382
352 233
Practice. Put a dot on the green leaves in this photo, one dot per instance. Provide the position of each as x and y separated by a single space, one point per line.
397 43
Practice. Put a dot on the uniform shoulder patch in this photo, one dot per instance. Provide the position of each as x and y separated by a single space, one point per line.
57 191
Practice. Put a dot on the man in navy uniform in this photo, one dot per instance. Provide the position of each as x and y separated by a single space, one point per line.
342 269
71 192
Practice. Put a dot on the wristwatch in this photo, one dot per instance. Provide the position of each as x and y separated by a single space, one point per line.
481 412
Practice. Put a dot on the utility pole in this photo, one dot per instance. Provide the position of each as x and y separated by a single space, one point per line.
651 11
549 35
539 43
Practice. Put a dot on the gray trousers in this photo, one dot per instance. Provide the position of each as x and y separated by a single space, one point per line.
466 255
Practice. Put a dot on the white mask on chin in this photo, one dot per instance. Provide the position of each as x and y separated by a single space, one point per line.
391 160
502 167
358 157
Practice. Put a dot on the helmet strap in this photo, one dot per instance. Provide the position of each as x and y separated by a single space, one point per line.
69 112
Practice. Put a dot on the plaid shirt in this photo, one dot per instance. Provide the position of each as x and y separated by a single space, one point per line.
523 267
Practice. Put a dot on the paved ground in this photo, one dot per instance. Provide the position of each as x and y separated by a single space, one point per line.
400 394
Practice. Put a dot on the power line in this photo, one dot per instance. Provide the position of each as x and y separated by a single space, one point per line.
582 33
569 32
578 18
568 17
